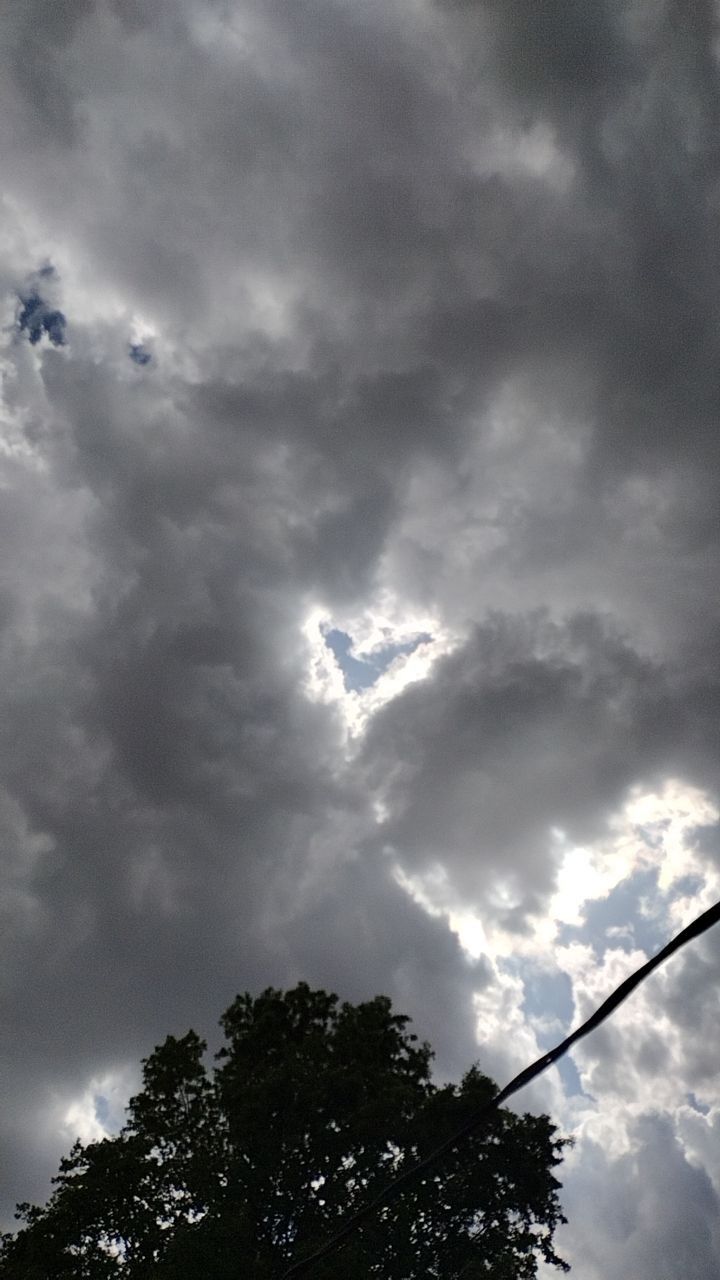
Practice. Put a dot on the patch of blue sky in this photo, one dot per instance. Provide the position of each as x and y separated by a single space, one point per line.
103 1111
653 834
363 670
697 1105
706 839
139 354
569 1074
549 1007
548 993
622 918
110 1111
36 318
686 886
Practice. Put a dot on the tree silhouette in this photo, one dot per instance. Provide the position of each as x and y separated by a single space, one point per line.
313 1107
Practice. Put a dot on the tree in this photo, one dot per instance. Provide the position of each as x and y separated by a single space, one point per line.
313 1107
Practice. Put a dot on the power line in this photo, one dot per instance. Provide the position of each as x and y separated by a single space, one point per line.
394 1188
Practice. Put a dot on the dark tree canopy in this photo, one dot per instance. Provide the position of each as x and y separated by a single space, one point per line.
312 1108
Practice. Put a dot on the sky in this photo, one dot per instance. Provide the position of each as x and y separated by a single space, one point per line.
359 620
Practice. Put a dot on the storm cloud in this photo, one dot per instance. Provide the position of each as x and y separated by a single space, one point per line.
397 321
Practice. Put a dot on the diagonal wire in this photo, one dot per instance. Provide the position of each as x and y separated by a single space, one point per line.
394 1188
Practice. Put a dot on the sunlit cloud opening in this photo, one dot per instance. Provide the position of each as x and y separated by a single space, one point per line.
653 832
99 1112
579 943
383 646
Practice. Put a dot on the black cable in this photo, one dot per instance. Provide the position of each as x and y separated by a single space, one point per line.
393 1189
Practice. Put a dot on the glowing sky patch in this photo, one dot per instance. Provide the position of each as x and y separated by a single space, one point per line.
617 902
100 1110
361 663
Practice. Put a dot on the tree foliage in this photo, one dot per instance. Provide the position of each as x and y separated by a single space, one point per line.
312 1108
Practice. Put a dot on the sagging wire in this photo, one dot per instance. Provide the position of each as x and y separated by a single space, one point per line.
394 1188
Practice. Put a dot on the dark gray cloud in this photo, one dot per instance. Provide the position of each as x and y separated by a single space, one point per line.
430 293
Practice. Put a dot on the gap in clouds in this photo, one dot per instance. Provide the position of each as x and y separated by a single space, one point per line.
359 664
363 668
652 875
645 891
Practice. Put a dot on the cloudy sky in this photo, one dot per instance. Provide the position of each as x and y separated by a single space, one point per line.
359 460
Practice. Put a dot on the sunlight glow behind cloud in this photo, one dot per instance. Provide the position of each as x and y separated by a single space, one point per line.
373 630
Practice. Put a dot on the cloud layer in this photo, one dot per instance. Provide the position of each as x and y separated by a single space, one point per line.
399 321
